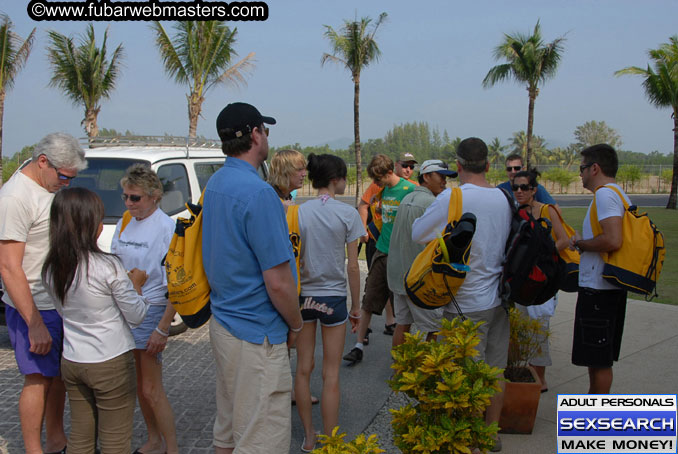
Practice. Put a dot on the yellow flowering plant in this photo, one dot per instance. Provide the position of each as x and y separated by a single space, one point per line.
524 344
449 392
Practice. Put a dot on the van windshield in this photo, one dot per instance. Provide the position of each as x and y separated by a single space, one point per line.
103 177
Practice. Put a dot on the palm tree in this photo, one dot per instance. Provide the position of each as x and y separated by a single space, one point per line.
661 88
354 47
519 143
200 55
528 60
84 72
14 52
496 151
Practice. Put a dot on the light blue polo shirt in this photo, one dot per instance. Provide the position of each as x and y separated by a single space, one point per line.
244 233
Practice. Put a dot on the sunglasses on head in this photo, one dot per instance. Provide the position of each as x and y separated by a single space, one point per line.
514 168
133 197
522 187
406 165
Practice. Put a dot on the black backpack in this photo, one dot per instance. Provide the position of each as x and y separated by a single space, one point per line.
532 270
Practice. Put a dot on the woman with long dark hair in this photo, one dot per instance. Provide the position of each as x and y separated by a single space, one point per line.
330 230
98 301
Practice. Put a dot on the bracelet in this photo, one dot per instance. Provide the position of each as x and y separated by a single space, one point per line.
354 317
298 330
161 332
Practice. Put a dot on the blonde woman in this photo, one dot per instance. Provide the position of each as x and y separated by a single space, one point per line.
142 244
288 170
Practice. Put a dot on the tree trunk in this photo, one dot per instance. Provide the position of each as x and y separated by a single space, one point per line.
194 109
532 94
2 112
674 181
90 122
356 133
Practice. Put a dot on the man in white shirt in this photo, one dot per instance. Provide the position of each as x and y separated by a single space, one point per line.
601 307
478 297
34 326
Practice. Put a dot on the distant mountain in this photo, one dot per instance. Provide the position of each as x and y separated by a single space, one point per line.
337 144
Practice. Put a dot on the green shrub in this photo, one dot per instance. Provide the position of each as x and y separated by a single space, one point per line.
560 176
335 444
450 391
629 173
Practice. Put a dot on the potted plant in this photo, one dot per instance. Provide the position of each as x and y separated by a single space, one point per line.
449 392
523 388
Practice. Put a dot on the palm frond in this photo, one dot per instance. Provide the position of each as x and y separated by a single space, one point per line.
235 74
14 52
170 57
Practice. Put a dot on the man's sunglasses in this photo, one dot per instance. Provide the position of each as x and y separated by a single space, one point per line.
60 175
514 168
407 166
522 187
584 167
133 197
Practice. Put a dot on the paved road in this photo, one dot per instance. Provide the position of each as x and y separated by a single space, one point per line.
566 200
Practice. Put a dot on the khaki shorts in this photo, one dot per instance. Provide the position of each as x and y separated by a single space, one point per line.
408 313
377 292
494 334
254 386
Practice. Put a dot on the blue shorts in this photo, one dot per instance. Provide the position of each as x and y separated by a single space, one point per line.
143 332
29 363
330 310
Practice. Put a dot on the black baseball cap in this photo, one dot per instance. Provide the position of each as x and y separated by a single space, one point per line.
238 119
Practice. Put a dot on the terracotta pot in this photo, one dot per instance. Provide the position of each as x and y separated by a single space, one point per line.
521 401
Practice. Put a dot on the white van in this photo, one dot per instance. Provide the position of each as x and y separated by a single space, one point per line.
183 165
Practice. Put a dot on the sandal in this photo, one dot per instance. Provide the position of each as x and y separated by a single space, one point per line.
314 444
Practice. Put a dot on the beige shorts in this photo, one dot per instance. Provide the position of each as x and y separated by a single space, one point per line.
254 386
408 313
494 334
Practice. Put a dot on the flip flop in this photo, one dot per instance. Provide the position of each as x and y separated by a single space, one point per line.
304 442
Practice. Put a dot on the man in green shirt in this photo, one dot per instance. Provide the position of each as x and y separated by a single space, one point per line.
377 293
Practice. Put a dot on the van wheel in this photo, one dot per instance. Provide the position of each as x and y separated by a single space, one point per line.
177 326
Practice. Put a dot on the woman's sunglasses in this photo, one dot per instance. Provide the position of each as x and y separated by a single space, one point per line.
133 197
522 187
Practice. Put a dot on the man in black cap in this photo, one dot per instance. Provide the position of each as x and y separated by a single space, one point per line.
250 267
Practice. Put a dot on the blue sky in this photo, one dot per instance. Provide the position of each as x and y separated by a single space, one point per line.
435 55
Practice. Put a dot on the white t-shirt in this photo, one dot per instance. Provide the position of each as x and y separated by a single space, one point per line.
24 217
100 307
143 244
480 290
325 230
591 264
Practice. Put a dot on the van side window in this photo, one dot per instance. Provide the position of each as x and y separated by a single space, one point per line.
177 190
205 170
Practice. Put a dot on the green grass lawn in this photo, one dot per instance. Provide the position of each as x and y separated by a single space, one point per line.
667 222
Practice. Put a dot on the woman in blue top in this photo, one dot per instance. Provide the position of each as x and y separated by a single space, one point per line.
329 230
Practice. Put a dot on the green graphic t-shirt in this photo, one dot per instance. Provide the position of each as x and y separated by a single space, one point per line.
390 200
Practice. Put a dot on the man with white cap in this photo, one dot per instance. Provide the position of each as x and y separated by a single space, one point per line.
432 178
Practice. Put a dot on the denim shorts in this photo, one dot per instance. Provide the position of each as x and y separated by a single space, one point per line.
142 332
330 310
29 363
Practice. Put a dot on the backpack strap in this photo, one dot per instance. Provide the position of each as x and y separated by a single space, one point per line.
126 218
455 207
593 217
295 238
